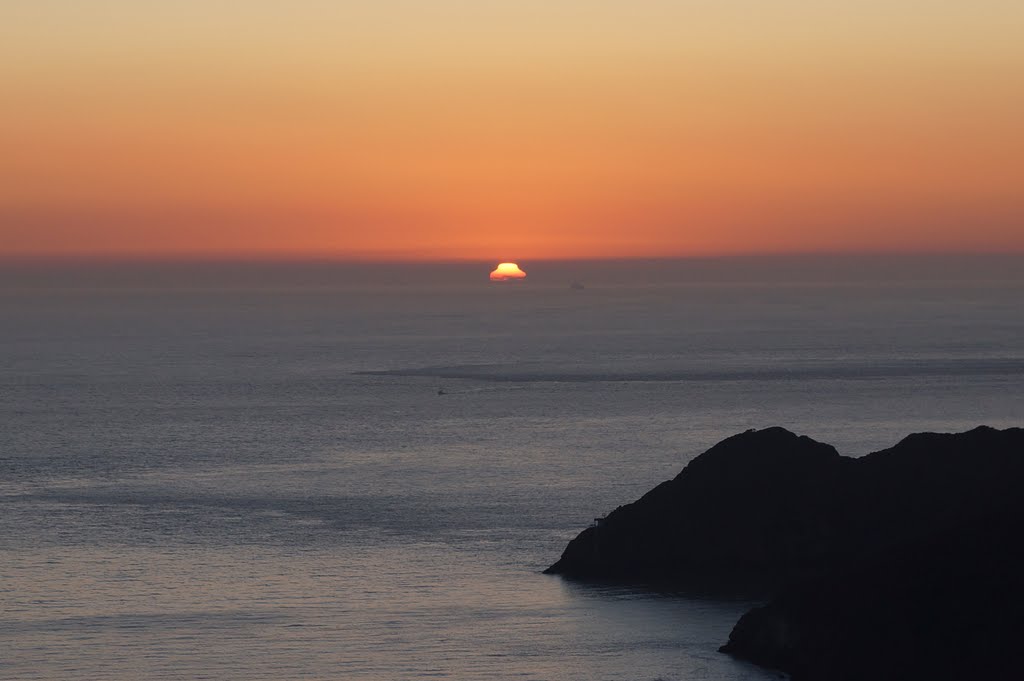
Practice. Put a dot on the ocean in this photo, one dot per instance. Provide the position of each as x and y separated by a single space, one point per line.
300 477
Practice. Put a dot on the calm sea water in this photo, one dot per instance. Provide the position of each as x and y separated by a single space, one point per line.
266 484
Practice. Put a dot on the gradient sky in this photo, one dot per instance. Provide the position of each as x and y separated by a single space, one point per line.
468 129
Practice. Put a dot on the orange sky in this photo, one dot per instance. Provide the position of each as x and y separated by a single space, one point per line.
459 129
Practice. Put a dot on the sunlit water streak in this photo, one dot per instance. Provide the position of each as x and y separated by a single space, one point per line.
208 484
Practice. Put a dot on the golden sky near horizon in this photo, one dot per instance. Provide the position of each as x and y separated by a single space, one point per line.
459 129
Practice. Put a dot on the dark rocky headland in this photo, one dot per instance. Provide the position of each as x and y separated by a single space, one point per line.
907 563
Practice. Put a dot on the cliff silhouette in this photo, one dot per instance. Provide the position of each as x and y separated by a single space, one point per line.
903 564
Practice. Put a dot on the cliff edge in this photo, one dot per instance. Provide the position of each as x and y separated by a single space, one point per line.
904 563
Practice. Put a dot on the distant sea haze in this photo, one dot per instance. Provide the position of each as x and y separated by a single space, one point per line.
264 273
314 470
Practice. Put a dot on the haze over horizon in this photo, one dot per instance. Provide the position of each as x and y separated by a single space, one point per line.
956 270
488 131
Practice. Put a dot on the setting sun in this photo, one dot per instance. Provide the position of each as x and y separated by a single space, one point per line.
507 271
